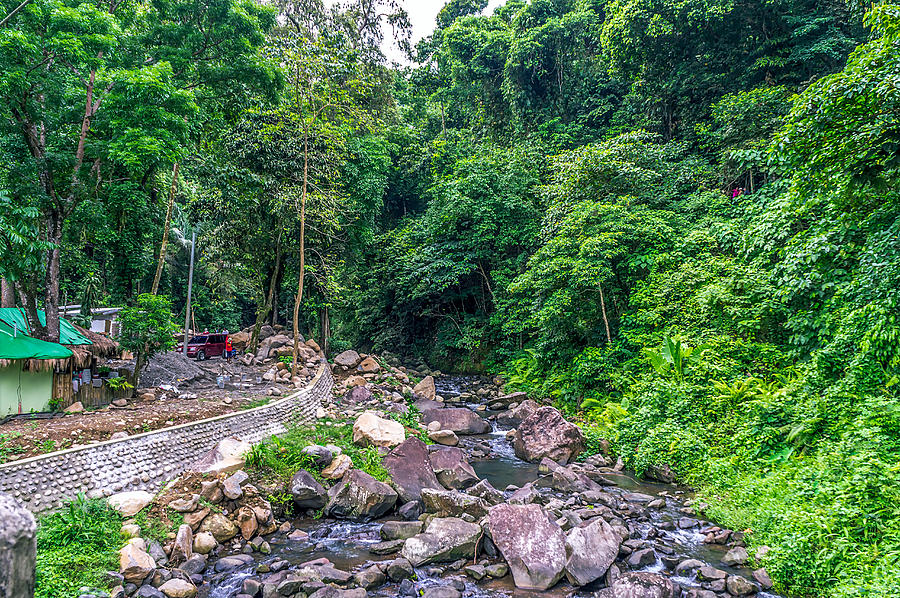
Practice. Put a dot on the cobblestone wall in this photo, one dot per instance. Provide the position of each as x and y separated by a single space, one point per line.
146 461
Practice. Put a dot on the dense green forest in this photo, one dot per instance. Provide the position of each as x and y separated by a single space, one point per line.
676 219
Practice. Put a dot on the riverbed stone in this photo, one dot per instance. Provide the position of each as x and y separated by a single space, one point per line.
738 586
220 526
641 585
400 530
135 564
204 543
340 465
446 539
307 492
532 544
425 388
459 420
546 433
450 503
443 437
410 469
515 416
761 576
369 578
736 557
452 469
371 430
590 550
399 569
178 588
359 497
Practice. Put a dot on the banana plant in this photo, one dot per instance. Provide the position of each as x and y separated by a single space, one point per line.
674 356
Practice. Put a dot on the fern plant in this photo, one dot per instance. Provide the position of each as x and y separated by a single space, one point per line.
674 356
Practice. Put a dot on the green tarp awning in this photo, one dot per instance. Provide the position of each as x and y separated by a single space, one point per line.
68 335
17 345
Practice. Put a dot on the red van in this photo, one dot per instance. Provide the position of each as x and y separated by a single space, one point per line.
204 346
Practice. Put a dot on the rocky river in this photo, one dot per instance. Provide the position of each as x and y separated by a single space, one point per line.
647 537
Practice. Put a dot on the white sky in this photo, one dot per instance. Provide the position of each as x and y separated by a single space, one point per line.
422 14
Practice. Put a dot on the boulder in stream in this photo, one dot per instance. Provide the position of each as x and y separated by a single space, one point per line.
639 585
452 469
410 469
546 433
459 420
514 417
444 540
307 492
590 550
533 545
359 497
450 503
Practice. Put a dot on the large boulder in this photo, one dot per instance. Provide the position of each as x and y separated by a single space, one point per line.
425 388
457 419
452 469
307 492
410 469
359 497
590 550
447 503
640 585
127 504
220 526
347 359
444 540
514 417
532 544
135 564
240 340
546 433
226 456
369 365
370 429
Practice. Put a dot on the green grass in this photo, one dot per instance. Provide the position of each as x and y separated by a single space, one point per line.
7 448
75 546
281 456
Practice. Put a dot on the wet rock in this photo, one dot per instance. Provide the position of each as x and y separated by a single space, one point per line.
450 503
400 530
307 492
444 437
546 433
425 388
761 576
459 420
525 495
738 586
640 585
709 573
387 547
411 510
641 558
590 550
233 562
194 565
736 557
497 571
486 492
340 465
444 540
410 469
476 572
441 592
660 473
452 469
399 569
369 578
359 497
687 567
135 564
372 430
531 543
514 417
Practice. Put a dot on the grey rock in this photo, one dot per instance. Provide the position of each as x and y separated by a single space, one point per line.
410 469
590 550
546 433
459 420
532 544
444 540
307 492
359 497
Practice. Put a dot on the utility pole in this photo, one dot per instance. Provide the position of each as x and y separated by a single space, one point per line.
187 308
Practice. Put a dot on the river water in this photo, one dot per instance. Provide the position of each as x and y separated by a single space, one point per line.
346 544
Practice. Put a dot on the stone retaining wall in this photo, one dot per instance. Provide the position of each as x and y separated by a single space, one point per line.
147 461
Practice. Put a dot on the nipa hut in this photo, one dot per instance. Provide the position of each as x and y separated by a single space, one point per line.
79 377
27 369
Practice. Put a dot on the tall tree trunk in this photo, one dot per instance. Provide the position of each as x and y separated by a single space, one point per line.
605 319
7 294
165 239
51 302
270 298
302 252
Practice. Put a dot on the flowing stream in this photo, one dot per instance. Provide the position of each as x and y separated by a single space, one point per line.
346 544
